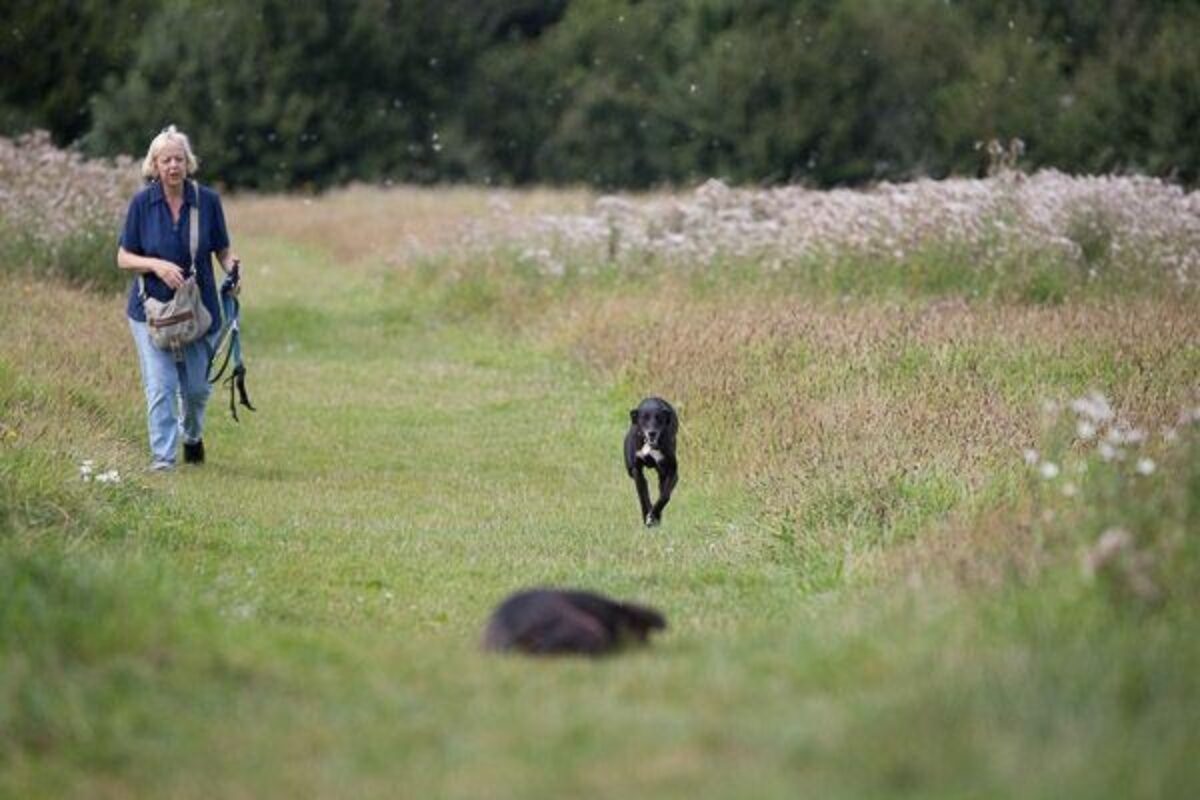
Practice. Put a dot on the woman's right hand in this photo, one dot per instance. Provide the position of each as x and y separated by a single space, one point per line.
169 273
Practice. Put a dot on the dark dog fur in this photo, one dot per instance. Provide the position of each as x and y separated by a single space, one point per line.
557 621
650 443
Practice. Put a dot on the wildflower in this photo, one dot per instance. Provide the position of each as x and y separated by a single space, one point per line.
1048 470
33 168
112 476
1121 434
1085 430
1108 452
85 469
1069 489
1145 466
782 226
1031 456
1094 407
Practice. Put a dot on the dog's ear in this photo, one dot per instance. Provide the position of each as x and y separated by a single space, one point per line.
633 416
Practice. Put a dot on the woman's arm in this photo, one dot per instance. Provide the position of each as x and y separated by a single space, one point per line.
226 258
168 273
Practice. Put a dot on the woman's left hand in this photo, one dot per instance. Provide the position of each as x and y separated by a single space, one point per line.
235 270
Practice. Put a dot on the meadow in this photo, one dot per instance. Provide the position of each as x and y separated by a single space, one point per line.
935 535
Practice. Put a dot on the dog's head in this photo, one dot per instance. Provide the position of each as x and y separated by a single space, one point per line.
655 420
637 622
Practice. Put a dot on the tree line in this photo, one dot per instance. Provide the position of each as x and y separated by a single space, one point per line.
278 94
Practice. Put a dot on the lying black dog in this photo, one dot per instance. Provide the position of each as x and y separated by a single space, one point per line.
554 621
650 442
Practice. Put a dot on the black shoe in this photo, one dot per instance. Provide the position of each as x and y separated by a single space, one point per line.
193 453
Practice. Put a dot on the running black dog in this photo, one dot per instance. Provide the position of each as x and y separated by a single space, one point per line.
557 621
650 442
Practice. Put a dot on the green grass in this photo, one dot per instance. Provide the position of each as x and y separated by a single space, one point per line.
300 617
84 258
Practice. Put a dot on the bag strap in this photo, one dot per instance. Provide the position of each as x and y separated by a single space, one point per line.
194 225
193 238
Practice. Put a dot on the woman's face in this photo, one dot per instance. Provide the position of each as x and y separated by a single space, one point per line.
171 163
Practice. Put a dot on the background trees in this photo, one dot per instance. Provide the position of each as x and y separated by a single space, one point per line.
623 93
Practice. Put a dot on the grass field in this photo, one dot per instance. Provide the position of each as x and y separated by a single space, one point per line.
870 592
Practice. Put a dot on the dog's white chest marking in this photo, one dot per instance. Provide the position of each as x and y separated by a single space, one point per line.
648 452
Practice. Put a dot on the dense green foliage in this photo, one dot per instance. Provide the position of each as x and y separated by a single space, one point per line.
615 92
55 56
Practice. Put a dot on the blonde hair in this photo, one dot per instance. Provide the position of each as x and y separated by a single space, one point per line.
168 135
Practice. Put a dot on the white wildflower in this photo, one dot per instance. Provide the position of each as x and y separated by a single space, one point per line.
1122 434
1085 430
1094 407
111 476
1145 466
1048 470
1031 456
1108 452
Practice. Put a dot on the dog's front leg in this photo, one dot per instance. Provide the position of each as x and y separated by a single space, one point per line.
667 478
643 491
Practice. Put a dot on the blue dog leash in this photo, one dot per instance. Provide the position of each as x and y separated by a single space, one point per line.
230 341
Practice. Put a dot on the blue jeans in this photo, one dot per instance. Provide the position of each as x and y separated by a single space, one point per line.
168 384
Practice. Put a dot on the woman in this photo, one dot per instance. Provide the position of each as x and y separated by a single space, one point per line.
155 245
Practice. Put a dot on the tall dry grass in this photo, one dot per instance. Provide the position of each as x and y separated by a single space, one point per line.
71 371
859 424
394 224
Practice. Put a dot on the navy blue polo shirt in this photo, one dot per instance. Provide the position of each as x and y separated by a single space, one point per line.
149 231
